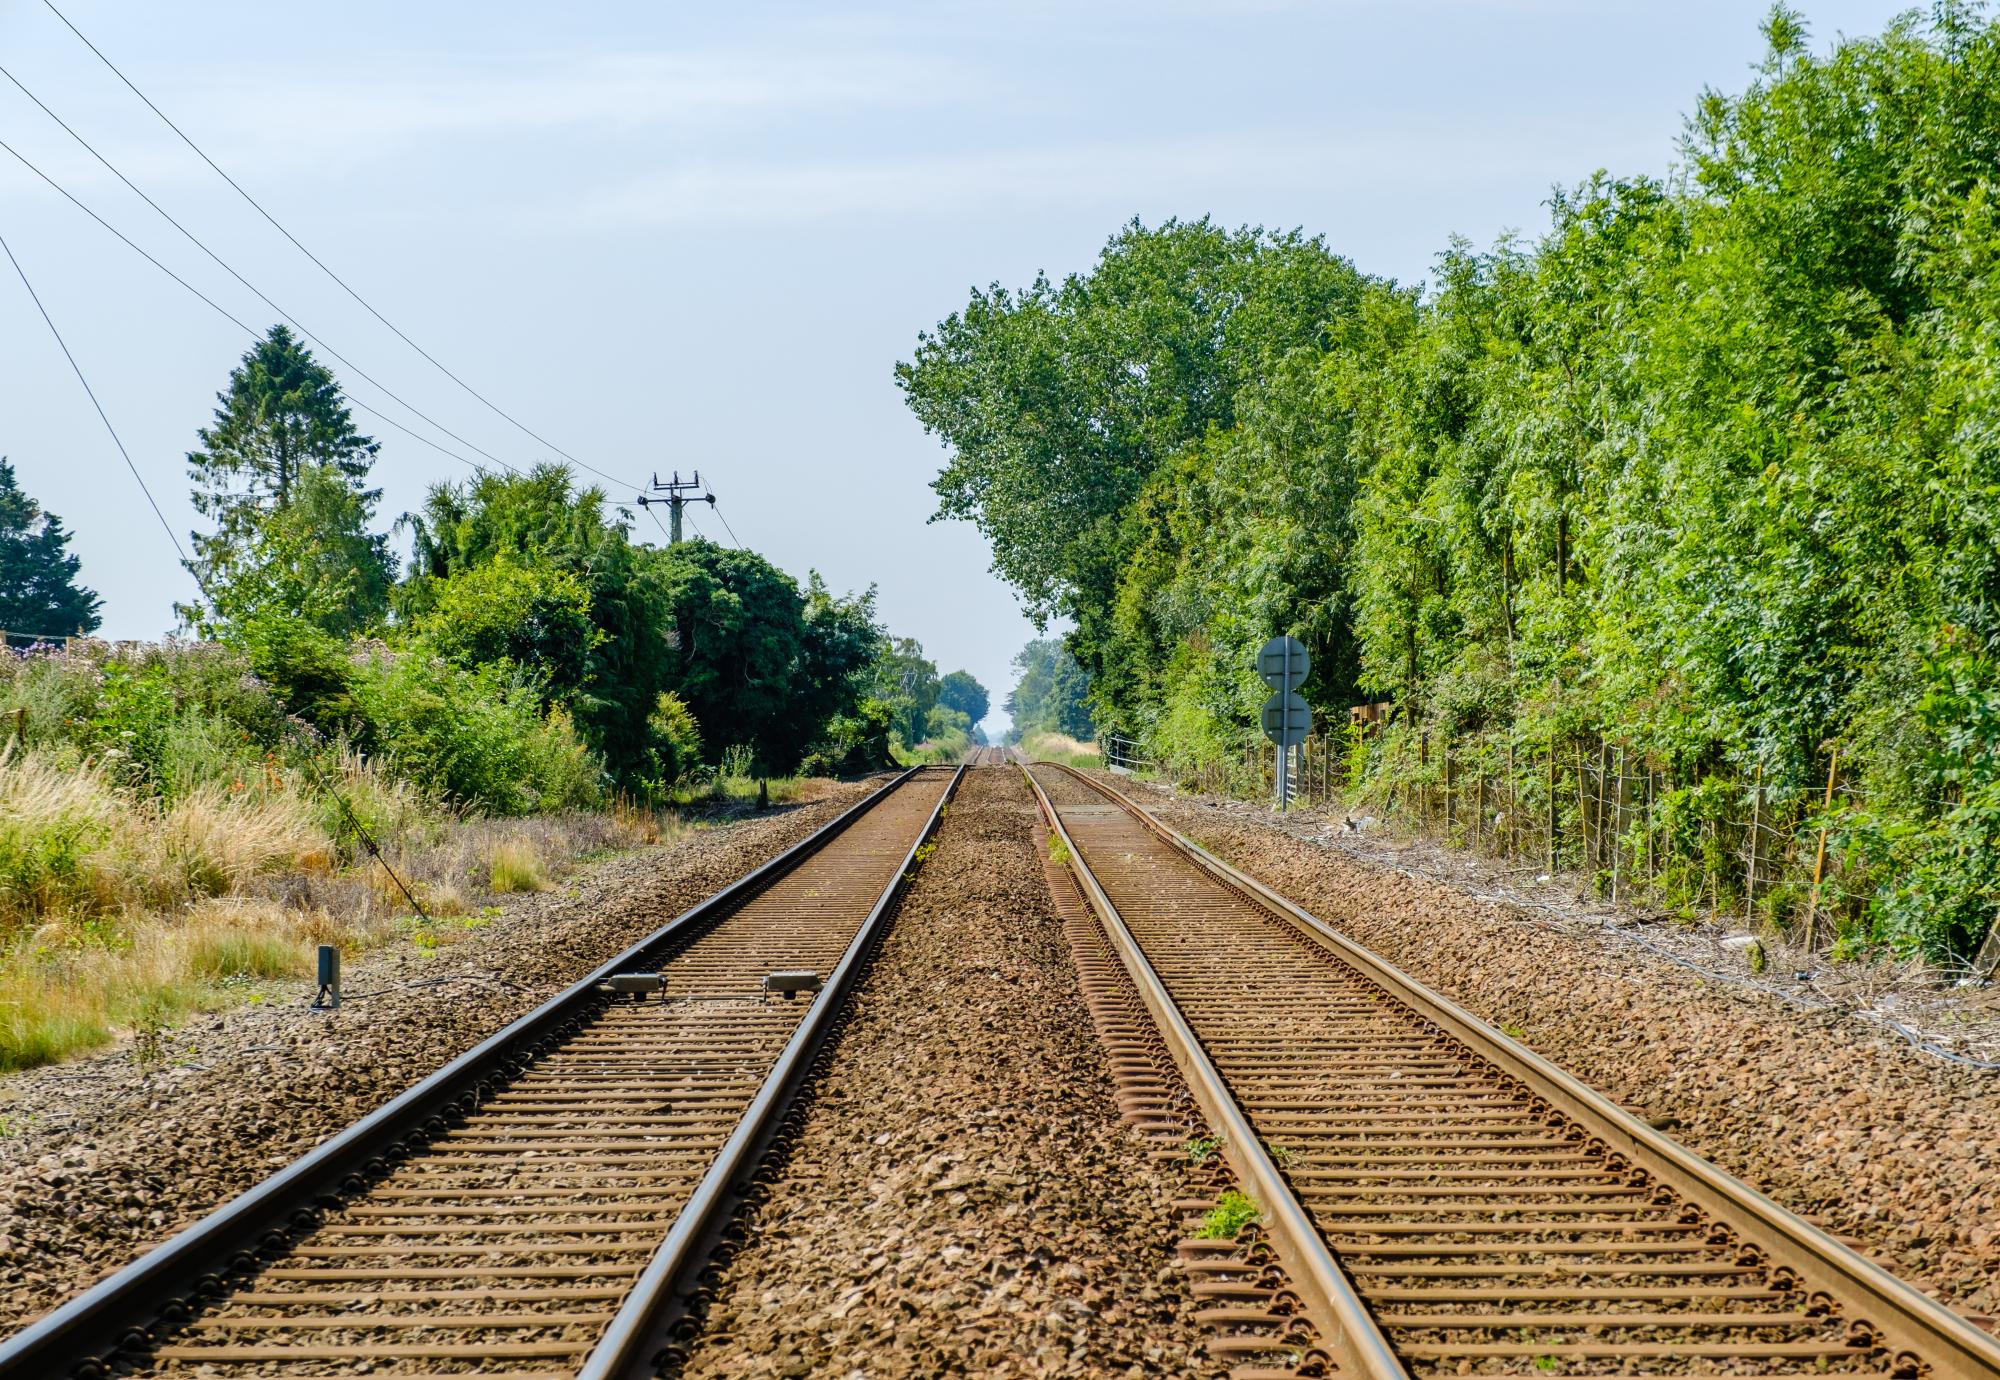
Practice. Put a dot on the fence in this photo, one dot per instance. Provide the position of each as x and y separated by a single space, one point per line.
1787 856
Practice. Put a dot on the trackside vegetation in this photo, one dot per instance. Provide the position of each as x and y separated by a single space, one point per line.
1703 477
182 818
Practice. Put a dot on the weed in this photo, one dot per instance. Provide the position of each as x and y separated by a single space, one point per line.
1232 1212
149 1035
1512 1031
516 865
1546 1363
924 851
228 955
1280 1155
1202 1149
1058 850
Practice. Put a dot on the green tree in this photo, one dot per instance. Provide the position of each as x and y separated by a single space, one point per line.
962 692
281 434
313 561
738 631
1060 402
38 589
608 667
906 681
1052 692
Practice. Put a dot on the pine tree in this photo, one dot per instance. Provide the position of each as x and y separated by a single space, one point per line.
38 588
281 432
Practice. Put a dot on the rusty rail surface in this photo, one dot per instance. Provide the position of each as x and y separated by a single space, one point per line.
543 1203
1446 1200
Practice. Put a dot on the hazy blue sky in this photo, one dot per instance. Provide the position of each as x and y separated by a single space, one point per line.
702 235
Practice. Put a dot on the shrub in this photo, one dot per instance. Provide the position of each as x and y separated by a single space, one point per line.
516 865
475 737
673 744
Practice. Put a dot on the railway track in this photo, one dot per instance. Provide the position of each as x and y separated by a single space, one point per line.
540 1206
1444 1201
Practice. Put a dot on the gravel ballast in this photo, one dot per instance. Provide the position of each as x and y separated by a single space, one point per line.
1845 1124
961 1196
104 1158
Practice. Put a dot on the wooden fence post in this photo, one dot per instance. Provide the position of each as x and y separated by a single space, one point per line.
1750 877
1819 862
1552 805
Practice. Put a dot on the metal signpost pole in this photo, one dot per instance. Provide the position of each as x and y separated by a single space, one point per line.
1283 665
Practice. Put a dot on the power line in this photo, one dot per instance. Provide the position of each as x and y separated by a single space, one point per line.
725 525
229 316
369 307
259 292
361 830
166 526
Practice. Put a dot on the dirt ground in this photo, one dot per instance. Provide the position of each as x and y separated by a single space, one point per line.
104 1157
1841 1120
961 1197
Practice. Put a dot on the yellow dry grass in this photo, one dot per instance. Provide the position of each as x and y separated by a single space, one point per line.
515 865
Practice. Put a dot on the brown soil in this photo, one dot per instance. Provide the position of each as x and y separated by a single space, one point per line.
961 1197
1842 1122
104 1157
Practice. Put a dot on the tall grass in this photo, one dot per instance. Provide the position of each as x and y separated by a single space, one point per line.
1059 747
123 910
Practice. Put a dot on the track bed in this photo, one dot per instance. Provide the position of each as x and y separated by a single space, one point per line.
1487 1214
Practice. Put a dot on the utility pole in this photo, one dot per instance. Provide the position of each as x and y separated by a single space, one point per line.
679 493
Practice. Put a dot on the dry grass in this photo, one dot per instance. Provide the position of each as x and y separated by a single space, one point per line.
66 989
1059 747
515 865
120 915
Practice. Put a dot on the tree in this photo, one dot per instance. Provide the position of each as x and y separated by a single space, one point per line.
961 692
907 681
38 589
1060 401
1052 694
312 561
282 431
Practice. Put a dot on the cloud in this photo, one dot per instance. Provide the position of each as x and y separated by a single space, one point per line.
1123 174
412 98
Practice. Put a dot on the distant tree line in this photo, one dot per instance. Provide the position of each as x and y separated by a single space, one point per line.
528 653
1709 468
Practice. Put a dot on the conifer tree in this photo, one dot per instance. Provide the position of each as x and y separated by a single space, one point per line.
282 434
38 588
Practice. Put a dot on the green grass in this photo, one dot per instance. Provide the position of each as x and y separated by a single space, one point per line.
516 866
1232 1212
245 953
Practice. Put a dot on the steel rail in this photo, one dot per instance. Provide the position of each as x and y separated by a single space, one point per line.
1909 1322
630 1343
1346 1327
81 1337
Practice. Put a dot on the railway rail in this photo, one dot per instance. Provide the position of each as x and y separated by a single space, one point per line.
541 1205
1443 1200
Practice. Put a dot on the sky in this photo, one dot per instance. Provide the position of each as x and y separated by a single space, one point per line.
675 237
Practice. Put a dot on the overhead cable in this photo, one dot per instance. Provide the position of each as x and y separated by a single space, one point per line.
198 243
230 316
318 262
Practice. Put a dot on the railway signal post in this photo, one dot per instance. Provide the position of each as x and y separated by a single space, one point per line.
1282 664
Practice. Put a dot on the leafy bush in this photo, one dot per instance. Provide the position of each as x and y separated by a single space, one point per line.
855 744
673 744
475 736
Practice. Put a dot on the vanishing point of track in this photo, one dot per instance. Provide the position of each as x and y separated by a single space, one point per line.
540 1206
1443 1200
